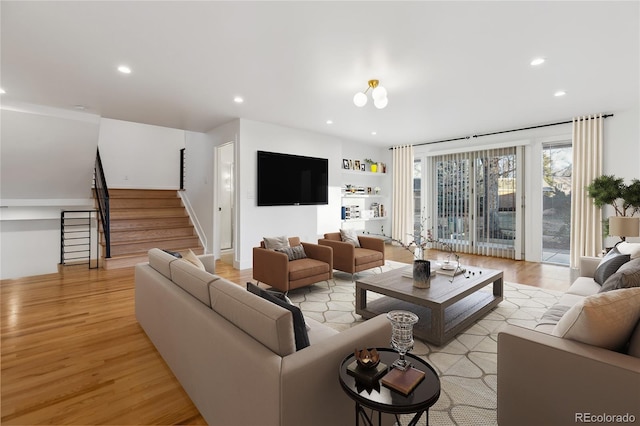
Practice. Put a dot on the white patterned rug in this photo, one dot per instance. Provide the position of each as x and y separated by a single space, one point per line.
466 365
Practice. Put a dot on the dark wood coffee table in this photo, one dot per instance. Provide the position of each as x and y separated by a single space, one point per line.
384 400
445 309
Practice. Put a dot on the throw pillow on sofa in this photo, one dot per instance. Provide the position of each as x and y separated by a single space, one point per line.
632 249
294 253
299 326
350 236
173 253
605 320
627 276
193 259
274 243
609 265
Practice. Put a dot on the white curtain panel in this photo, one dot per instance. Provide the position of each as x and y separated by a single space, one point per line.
402 224
586 219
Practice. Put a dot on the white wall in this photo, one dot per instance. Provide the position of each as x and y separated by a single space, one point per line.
140 156
47 154
306 222
199 182
30 247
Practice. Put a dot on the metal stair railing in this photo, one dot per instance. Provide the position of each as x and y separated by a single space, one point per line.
75 237
102 196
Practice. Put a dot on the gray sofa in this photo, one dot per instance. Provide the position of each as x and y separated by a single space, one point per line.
234 352
547 378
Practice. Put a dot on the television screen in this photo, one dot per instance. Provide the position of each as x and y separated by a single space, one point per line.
291 180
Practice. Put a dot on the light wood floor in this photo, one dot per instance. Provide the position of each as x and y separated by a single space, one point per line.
73 353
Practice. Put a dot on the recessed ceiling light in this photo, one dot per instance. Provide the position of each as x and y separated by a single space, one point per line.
80 107
537 61
374 133
238 100
559 93
2 92
124 69
329 121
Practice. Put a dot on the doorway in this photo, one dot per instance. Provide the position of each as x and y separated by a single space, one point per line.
557 165
225 199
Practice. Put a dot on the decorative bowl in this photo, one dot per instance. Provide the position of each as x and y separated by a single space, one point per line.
367 358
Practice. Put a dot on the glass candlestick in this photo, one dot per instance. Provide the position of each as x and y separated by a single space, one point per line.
402 335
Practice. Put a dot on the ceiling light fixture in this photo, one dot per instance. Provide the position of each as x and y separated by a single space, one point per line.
559 93
329 122
2 92
537 61
379 95
124 69
238 100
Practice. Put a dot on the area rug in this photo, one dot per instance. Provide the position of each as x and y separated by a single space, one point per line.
466 365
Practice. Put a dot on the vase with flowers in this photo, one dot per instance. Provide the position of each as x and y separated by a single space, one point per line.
421 240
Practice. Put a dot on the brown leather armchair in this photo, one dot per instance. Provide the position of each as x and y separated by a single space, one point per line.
351 259
275 269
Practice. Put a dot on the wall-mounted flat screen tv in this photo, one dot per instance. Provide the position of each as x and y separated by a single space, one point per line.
291 180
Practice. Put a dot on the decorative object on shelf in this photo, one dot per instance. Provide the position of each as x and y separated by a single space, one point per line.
421 273
379 95
367 358
402 335
372 165
376 190
625 200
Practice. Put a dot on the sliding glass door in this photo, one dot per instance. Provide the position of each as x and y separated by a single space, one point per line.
476 201
557 163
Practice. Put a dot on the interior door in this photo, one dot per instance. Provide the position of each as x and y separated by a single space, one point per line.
226 196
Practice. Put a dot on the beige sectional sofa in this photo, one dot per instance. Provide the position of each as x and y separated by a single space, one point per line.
582 362
234 352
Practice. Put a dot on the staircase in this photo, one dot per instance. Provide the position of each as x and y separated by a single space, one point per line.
144 219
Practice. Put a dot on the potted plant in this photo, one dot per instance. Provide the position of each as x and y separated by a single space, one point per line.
372 164
611 190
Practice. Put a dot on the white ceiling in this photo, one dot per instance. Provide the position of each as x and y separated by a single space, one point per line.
451 68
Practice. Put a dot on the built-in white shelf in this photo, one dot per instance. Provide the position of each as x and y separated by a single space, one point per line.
361 173
361 196
364 220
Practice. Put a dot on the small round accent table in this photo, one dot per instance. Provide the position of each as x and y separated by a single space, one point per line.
384 400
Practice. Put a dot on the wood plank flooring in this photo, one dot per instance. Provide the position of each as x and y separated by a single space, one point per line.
73 353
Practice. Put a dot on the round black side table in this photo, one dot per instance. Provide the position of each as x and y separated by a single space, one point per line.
385 400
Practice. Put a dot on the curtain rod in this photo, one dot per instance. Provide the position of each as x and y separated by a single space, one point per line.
501 131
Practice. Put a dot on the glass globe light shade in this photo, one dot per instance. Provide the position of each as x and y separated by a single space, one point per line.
381 103
360 99
379 93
